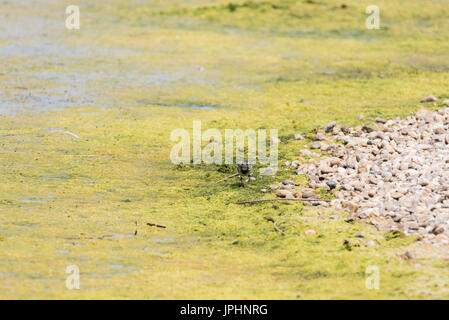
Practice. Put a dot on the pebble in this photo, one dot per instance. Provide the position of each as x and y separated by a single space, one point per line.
305 153
407 255
437 230
429 99
319 137
308 194
328 127
284 194
331 184
298 194
268 171
275 140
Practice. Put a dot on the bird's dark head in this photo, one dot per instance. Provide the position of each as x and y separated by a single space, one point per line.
244 167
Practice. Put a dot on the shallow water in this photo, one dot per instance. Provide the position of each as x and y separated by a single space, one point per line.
50 71
181 105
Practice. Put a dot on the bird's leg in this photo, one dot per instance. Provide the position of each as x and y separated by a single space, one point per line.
241 181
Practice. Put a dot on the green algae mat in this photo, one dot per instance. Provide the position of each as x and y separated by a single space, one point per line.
91 206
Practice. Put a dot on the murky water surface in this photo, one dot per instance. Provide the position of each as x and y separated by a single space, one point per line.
56 72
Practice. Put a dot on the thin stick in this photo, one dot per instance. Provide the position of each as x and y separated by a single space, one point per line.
228 177
63 131
277 228
280 199
156 225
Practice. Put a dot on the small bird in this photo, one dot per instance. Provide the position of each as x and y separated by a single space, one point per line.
245 169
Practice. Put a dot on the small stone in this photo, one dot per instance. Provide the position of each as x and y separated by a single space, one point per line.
336 130
367 129
412 226
331 184
298 136
380 120
429 99
305 153
319 137
444 110
437 230
273 186
315 145
407 255
396 195
326 169
350 205
322 186
308 194
284 194
328 127
288 181
298 194
446 139
310 232
296 163
263 190
350 218
324 146
359 235
268 171
275 140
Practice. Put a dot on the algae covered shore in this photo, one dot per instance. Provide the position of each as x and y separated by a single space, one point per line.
86 117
